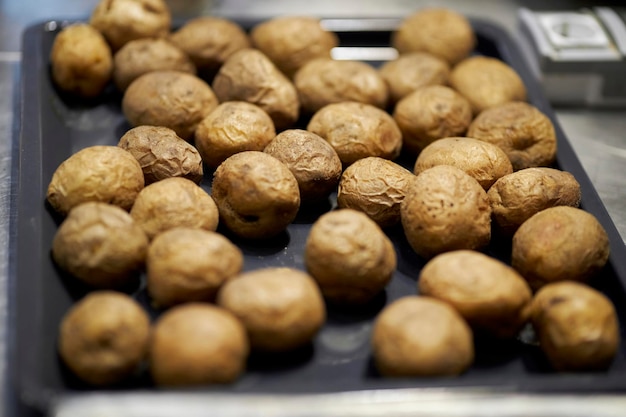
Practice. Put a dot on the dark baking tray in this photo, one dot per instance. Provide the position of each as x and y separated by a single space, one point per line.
52 128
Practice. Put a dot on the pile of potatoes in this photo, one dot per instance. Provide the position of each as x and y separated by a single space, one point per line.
233 132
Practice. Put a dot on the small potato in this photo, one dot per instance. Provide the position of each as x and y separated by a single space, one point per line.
487 82
311 159
97 173
431 113
558 244
357 130
349 256
376 187
257 195
292 41
104 338
233 127
523 132
490 295
421 336
174 202
577 327
197 344
281 308
101 245
514 198
481 160
173 99
445 209
162 154
249 75
325 81
185 265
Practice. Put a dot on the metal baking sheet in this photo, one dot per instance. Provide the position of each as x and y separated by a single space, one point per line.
339 359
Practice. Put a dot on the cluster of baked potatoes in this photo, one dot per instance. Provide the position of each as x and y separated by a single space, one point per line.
279 124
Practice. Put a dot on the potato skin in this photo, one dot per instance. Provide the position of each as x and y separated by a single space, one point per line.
81 61
577 327
558 244
514 198
421 336
97 173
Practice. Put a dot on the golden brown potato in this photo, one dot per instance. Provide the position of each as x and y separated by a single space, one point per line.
186 265
421 336
249 75
523 132
81 61
514 198
376 187
490 295
577 327
559 243
257 195
487 82
349 256
324 81
162 154
445 209
311 159
197 344
104 338
481 160
233 127
97 173
431 113
356 130
281 308
411 71
174 202
145 55
442 32
121 21
101 245
292 41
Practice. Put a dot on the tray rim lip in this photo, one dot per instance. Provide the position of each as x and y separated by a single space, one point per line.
49 396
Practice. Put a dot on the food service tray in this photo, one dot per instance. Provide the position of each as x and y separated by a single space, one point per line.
51 128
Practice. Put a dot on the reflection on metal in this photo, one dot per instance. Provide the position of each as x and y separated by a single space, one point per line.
364 54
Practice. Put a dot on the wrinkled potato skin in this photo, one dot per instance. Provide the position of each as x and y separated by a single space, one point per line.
487 82
233 127
357 130
431 113
257 195
523 132
104 337
311 159
445 209
162 154
174 202
491 296
97 173
121 21
441 32
281 308
559 243
484 162
514 198
249 75
81 61
197 344
349 256
376 187
421 336
292 41
173 99
577 327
